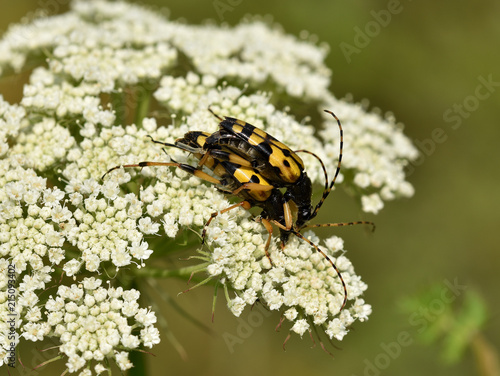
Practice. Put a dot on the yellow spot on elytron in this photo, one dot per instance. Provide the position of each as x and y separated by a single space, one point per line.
289 174
200 140
261 133
244 175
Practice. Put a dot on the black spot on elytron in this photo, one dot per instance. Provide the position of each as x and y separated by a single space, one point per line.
254 179
286 152
247 130
286 163
265 148
226 125
230 167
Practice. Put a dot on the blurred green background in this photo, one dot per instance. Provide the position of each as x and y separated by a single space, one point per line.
429 64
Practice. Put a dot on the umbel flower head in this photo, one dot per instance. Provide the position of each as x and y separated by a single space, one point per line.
107 75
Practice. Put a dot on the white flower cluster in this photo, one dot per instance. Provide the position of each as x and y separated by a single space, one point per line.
46 94
96 324
301 283
297 67
376 152
108 59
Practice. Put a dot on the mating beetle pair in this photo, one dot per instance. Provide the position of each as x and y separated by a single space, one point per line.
253 165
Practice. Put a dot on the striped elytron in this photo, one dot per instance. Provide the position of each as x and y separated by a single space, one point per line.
251 164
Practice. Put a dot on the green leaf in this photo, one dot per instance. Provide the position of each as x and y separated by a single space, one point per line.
468 322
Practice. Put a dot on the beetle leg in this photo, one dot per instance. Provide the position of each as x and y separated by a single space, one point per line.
288 226
203 160
253 187
269 229
244 204
183 166
288 216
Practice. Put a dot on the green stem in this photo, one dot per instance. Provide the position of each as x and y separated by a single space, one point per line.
487 362
118 103
164 273
138 359
143 101
185 242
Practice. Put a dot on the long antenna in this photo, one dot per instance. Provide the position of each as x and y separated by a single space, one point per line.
327 191
320 161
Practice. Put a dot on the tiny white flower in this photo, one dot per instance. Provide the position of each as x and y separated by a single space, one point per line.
140 250
75 362
147 226
120 257
361 310
236 306
51 197
60 213
99 368
110 189
334 244
336 329
149 124
170 225
372 203
150 336
15 190
146 317
300 327
274 299
72 267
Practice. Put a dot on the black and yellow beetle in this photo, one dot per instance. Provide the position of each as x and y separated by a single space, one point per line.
232 176
253 165
281 166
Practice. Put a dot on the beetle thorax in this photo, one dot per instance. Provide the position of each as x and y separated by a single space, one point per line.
300 193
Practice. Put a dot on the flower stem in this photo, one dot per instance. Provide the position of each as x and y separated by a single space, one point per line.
143 101
165 273
138 359
117 101
486 356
